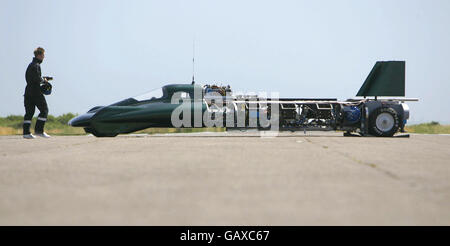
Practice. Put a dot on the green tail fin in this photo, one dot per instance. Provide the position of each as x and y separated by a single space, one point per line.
387 78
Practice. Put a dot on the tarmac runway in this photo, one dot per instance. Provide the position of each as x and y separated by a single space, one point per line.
225 179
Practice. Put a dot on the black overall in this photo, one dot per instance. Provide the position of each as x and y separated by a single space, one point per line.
34 98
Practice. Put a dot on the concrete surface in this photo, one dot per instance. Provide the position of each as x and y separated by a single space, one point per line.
225 179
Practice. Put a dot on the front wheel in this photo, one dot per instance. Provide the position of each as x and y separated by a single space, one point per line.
98 134
383 122
104 135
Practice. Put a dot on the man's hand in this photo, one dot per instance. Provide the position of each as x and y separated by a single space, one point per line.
46 79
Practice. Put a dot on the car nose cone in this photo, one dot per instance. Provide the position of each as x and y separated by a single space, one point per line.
82 120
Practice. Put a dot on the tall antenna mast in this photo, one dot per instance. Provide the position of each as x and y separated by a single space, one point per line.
193 61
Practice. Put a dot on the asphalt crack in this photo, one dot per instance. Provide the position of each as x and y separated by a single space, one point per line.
358 161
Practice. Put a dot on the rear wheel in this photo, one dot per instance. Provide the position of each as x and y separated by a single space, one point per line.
383 122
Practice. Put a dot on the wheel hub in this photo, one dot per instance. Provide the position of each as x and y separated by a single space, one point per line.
385 122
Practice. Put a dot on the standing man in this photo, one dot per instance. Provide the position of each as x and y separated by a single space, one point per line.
34 98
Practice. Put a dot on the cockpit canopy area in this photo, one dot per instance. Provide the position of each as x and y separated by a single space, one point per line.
182 91
150 95
185 91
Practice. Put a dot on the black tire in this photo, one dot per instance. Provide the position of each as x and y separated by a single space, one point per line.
104 135
388 122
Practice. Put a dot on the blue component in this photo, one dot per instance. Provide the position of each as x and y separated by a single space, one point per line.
352 114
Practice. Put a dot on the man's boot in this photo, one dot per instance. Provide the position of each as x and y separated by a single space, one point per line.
26 130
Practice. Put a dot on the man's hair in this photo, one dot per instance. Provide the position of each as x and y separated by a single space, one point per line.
39 51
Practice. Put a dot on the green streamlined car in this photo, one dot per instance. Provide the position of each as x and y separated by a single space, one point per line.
195 105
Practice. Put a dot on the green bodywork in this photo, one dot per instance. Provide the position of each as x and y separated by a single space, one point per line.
387 78
131 115
134 114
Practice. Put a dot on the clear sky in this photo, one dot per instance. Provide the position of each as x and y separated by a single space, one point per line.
102 51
